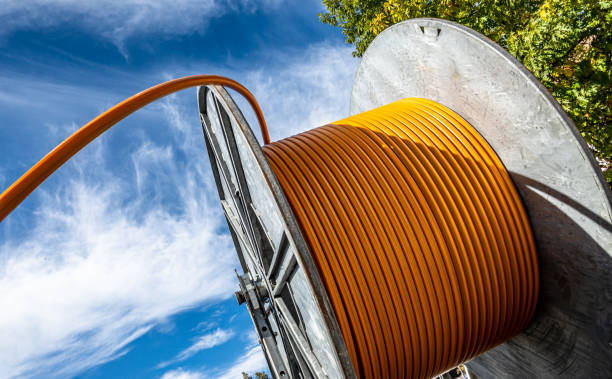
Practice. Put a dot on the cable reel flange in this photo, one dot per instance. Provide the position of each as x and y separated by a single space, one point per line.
280 285
562 187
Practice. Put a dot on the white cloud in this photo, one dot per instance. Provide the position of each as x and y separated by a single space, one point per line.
115 19
101 266
107 258
204 342
252 361
306 89
182 374
118 20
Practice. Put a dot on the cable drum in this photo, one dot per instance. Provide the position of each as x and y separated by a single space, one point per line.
412 234
419 234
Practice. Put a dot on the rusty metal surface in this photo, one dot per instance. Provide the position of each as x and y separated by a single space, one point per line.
562 188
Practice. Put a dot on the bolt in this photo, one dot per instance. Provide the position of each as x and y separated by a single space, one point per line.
239 297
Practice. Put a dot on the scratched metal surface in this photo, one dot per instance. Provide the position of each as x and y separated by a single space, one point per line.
565 194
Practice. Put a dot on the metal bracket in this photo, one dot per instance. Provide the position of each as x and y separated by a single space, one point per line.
459 372
255 297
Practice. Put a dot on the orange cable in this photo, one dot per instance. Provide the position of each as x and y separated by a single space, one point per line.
23 186
420 236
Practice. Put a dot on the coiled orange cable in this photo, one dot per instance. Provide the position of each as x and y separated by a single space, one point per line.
420 236
23 186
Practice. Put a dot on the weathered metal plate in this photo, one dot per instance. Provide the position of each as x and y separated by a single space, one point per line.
280 285
562 187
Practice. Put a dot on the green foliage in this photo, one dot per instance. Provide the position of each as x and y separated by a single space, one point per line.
258 375
566 44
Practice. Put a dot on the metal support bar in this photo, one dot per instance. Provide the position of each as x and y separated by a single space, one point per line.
296 334
254 303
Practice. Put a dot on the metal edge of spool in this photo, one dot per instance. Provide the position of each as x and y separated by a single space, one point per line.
302 256
567 198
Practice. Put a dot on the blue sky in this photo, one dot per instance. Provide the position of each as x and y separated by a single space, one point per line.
120 264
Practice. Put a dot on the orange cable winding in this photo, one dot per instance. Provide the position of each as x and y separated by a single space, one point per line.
419 234
23 186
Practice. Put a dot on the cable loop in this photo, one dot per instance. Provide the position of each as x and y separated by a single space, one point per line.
23 186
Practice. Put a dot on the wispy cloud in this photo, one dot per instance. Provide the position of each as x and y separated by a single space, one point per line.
102 265
303 93
204 342
252 361
182 374
116 20
119 20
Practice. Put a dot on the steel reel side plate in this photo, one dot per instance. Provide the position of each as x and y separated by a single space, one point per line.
563 189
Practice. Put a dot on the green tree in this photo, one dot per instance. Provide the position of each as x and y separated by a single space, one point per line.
566 44
258 375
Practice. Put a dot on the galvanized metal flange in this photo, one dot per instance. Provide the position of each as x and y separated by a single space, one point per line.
566 196
280 285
